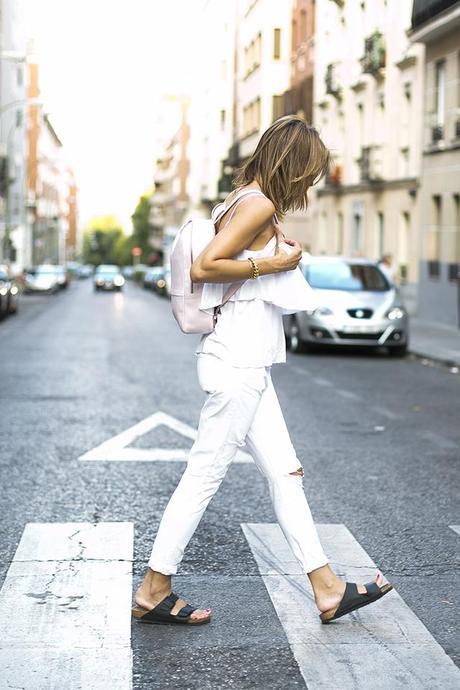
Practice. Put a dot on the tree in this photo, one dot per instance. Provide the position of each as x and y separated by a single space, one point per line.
100 240
142 226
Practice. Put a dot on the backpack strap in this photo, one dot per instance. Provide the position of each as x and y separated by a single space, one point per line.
234 202
234 287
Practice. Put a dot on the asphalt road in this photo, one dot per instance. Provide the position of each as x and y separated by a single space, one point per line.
379 440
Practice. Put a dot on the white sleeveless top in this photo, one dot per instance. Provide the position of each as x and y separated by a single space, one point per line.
249 330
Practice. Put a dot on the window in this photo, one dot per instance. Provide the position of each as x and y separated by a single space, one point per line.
303 26
404 246
433 239
356 233
453 244
380 234
437 131
277 106
340 237
276 44
405 172
294 35
222 119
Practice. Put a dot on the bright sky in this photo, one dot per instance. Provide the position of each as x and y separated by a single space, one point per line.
103 66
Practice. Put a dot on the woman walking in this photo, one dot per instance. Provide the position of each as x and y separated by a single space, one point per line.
234 368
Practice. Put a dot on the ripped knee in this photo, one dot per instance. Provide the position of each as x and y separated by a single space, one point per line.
297 473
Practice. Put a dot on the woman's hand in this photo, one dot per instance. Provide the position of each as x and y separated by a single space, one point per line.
287 261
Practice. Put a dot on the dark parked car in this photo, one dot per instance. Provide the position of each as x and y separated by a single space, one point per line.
108 277
154 279
8 293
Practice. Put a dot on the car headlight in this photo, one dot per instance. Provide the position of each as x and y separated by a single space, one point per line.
3 291
14 290
161 283
118 281
320 311
395 313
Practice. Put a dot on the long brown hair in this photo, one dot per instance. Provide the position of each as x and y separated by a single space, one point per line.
289 158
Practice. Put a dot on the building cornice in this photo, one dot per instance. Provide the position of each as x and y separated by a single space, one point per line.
409 183
435 28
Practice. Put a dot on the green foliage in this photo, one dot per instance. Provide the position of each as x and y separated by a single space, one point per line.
100 241
142 226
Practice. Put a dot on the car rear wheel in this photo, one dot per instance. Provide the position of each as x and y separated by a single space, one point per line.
294 340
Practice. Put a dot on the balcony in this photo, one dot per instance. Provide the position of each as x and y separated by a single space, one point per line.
374 58
370 164
298 99
334 176
331 81
437 133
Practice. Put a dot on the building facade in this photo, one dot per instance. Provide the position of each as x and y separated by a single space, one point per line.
436 26
15 241
47 183
367 103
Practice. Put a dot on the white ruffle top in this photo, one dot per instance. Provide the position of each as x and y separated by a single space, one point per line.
249 330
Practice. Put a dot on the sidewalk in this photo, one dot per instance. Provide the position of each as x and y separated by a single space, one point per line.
435 341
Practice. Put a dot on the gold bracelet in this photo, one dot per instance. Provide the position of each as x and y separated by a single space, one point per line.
254 268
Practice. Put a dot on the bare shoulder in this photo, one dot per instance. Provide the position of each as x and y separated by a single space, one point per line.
258 206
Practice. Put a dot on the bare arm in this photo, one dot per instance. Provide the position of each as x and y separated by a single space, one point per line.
215 263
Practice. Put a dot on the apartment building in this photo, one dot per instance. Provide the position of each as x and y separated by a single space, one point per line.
367 102
15 241
213 113
47 182
170 197
436 26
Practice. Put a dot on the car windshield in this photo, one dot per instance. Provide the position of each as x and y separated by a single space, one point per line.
45 270
107 270
341 275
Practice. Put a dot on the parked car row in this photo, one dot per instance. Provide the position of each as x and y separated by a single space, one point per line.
48 278
357 305
8 293
108 277
157 279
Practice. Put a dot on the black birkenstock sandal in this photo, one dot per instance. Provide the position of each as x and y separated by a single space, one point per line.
352 599
161 613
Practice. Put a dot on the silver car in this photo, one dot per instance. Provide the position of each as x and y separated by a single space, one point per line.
357 305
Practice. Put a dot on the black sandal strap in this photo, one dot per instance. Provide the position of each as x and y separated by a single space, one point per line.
163 608
372 588
185 611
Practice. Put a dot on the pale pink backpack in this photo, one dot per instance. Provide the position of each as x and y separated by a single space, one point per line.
191 239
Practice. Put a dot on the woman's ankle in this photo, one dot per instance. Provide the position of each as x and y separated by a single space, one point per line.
156 582
324 580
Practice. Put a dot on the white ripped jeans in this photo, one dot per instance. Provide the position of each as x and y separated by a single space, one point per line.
241 407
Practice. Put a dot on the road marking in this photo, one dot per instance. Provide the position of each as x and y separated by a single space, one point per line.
348 394
115 448
438 440
384 412
65 608
299 370
322 382
384 645
456 529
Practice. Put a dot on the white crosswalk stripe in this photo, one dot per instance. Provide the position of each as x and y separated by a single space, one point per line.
65 608
383 646
456 528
